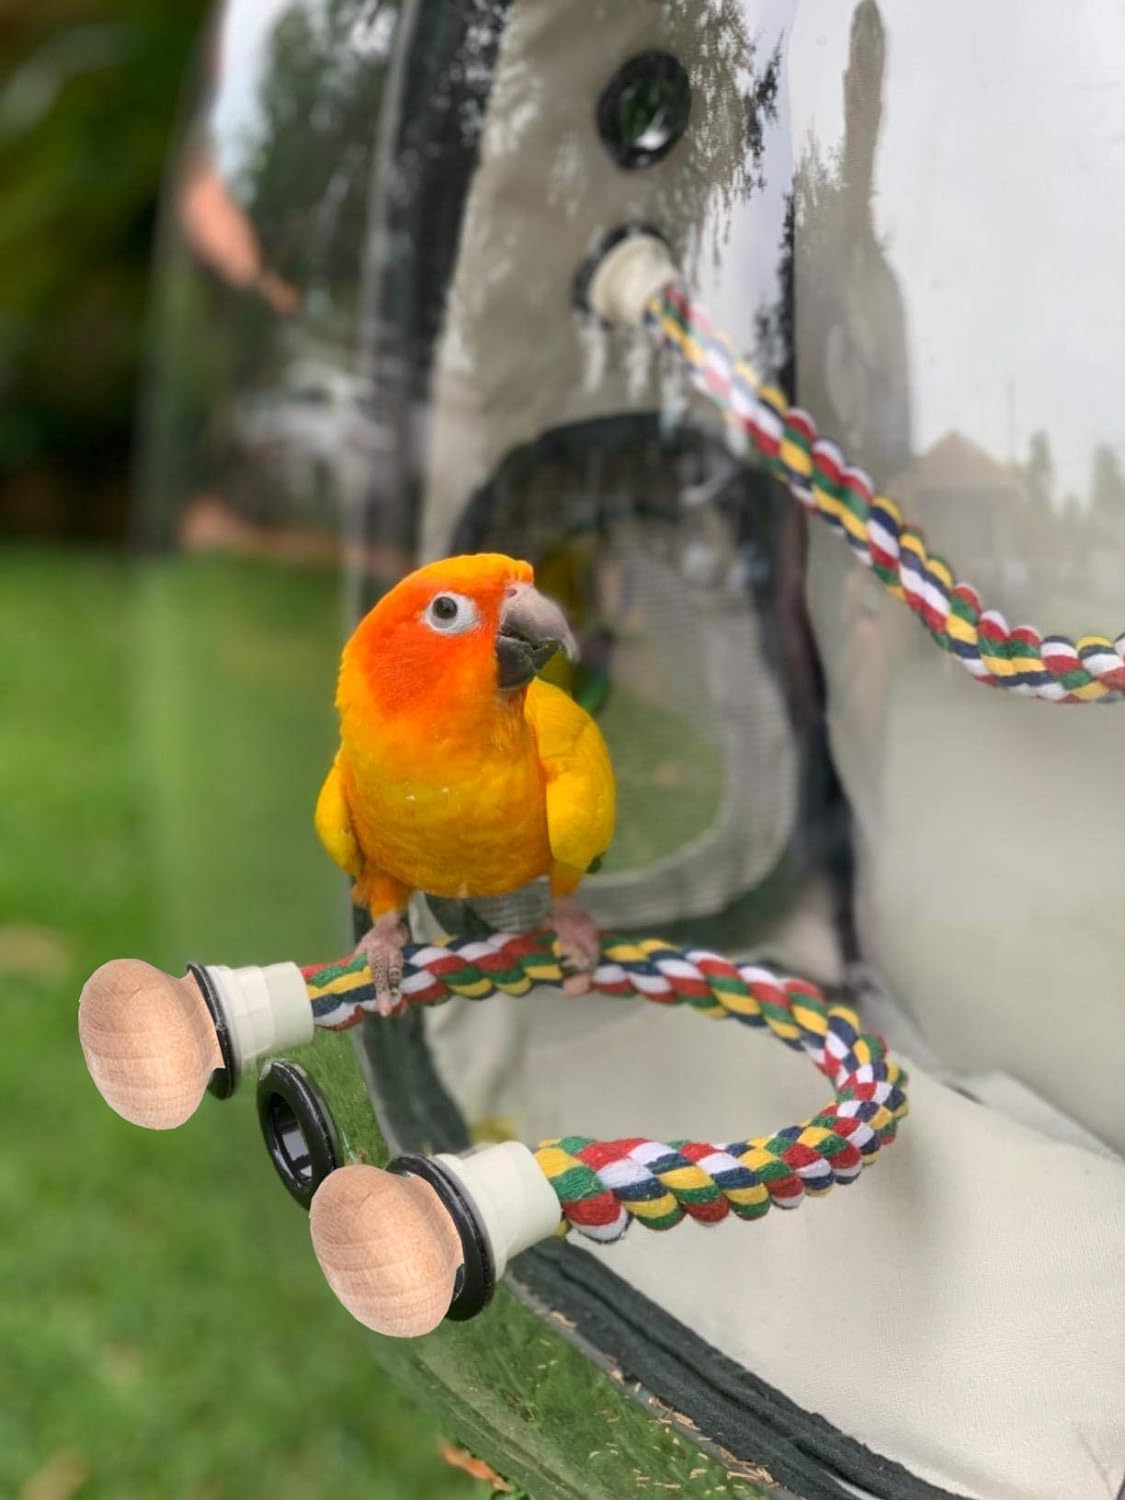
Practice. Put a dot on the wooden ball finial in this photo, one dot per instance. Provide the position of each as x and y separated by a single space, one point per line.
149 1042
387 1247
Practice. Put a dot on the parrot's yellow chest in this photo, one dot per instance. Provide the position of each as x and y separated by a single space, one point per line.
452 815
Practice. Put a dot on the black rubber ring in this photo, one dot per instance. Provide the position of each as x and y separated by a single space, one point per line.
315 1126
224 1080
651 67
476 1281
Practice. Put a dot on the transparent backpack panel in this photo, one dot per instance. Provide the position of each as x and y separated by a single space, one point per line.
547 436
256 469
954 336
377 349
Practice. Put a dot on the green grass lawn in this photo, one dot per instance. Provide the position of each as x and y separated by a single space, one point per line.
164 1329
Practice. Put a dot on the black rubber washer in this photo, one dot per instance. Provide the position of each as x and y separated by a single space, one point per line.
654 71
476 1280
580 288
224 1080
298 1129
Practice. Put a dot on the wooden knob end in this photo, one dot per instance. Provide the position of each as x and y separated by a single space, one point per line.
149 1042
387 1247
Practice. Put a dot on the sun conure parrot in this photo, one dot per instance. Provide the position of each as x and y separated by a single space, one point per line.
460 773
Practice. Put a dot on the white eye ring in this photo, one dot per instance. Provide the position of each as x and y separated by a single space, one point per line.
451 614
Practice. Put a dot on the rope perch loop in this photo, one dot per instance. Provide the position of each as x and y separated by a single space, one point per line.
602 1186
818 476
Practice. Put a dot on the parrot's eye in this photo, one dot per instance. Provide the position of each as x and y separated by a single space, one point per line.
451 614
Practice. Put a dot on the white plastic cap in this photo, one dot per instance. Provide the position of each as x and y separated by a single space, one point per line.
627 278
265 1009
516 1205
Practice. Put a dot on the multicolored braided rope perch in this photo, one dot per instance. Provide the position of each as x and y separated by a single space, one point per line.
603 1185
817 474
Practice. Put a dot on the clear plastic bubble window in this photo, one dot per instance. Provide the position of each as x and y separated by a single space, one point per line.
782 342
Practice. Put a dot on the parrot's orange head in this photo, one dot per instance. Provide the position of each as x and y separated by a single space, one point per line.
458 631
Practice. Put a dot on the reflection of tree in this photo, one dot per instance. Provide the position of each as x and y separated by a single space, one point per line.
307 174
1009 528
853 373
863 112
1038 474
851 322
774 340
1102 533
735 99
760 100
1107 485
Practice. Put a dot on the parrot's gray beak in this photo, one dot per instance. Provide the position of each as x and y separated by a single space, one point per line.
532 629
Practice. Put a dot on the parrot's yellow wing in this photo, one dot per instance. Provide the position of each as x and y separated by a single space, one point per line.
581 792
334 823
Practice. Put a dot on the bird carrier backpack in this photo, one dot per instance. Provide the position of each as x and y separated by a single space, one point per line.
647 476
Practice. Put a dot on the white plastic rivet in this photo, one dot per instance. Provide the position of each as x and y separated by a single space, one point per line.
266 1009
627 278
515 1204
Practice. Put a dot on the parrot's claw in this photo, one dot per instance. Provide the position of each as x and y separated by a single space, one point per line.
382 947
580 945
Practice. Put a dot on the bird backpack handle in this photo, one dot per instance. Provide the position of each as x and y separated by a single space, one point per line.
429 1237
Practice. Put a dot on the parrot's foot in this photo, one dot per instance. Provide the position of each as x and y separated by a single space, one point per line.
580 944
382 947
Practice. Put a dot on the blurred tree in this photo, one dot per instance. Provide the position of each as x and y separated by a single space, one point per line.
88 92
1039 473
308 171
1107 484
